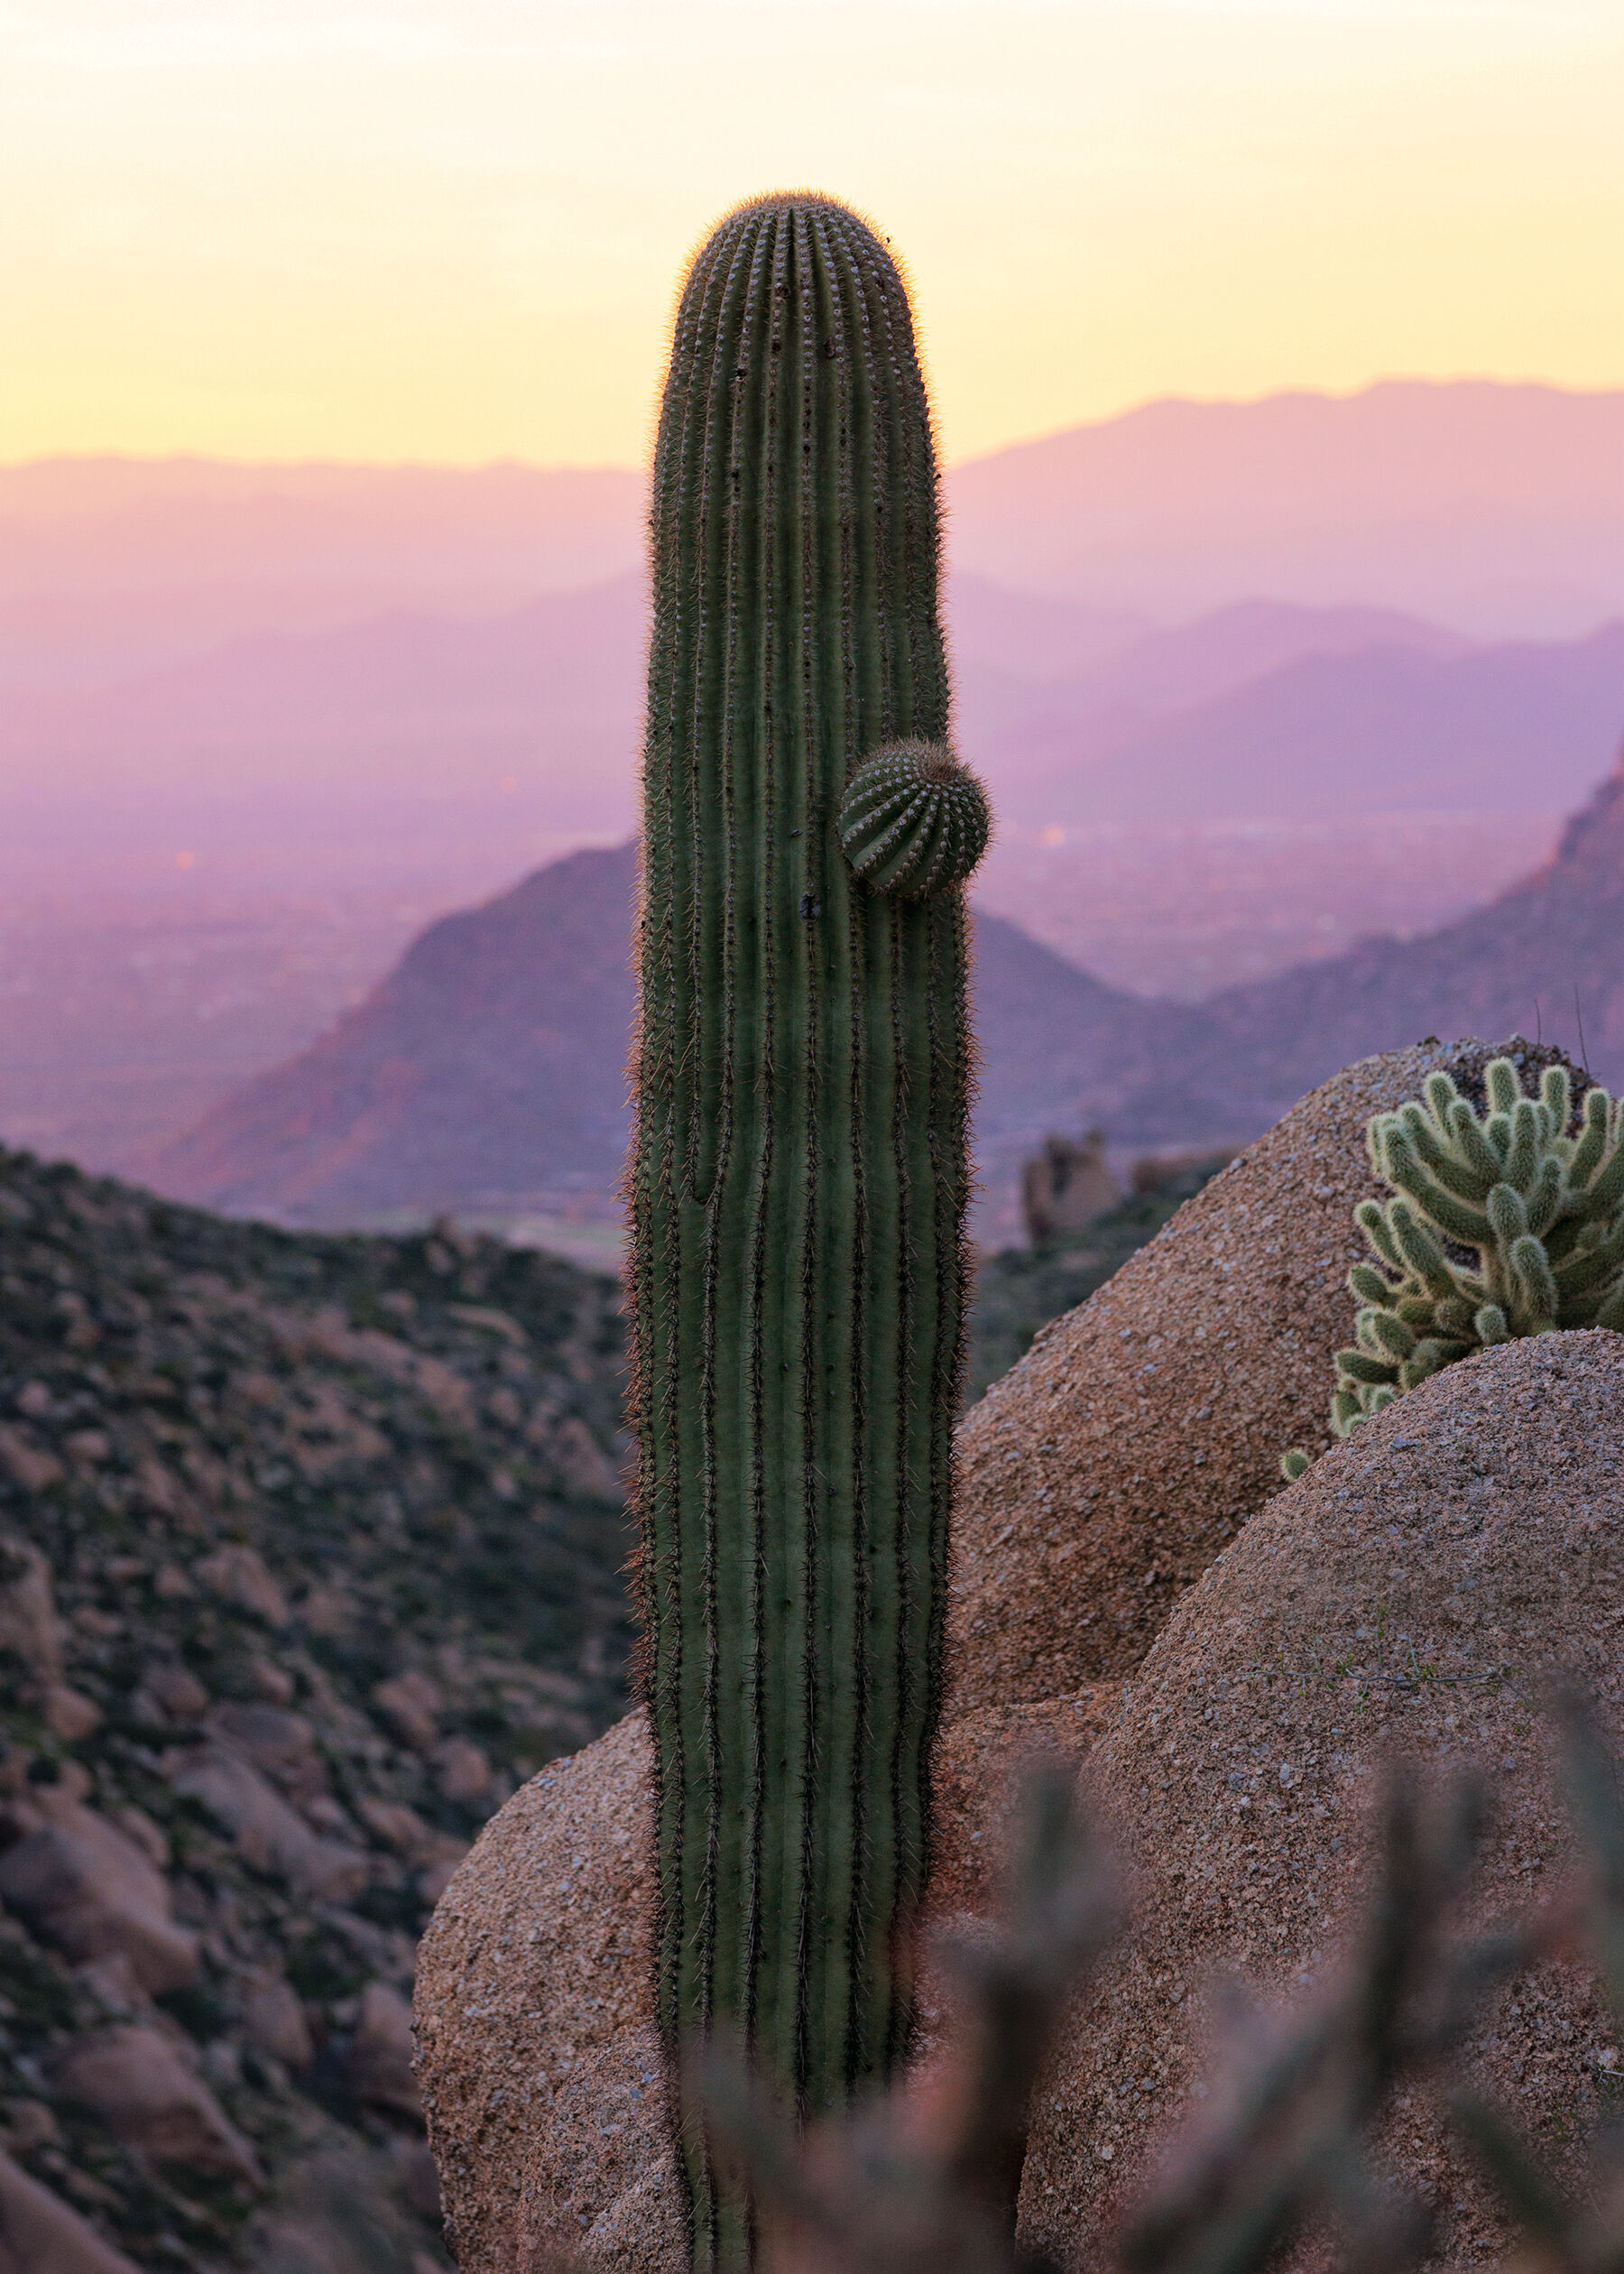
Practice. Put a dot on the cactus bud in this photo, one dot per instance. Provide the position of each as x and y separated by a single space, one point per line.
913 821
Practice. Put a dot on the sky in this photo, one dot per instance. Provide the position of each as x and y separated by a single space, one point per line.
450 230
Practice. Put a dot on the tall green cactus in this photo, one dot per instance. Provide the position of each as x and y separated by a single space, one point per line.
797 1174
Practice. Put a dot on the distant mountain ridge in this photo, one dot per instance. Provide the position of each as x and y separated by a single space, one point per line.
1498 509
1260 708
489 1068
1495 508
1545 959
489 1065
1517 727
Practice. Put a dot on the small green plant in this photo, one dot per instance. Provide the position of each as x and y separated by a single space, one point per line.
1511 1224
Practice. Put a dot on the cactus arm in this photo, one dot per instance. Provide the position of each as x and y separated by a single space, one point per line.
1360 1366
1507 1215
1373 1224
1419 1250
1453 1217
1593 1139
1522 1159
1474 1146
1368 1283
1606 1188
1456 1174
1384 1334
1535 1283
1440 1093
1591 1266
1556 1096
1499 1080
1545 1196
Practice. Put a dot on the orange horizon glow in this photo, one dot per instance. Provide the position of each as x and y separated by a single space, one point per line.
414 231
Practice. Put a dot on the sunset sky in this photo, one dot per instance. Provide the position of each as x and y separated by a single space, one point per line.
449 229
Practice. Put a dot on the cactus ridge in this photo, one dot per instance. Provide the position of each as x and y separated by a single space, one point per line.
797 1174
1533 1210
913 821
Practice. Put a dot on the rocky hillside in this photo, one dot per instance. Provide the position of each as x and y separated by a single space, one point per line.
490 1066
309 1553
1545 959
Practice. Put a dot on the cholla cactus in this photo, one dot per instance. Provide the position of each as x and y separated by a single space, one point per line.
1501 1226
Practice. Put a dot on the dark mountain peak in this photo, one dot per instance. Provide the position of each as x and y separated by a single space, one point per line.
488 1069
1593 843
489 1066
577 906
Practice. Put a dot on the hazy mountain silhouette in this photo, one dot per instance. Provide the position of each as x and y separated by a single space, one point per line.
1261 708
1042 740
491 1061
1519 726
1545 957
1497 509
378 729
488 1067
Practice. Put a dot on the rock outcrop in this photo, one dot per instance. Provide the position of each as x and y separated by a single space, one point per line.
535 2020
1413 1594
89 1890
537 2051
152 2099
1102 1476
41 2234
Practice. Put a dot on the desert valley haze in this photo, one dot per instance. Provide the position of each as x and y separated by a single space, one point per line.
1248 683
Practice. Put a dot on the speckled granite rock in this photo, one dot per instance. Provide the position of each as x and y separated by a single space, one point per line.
1476 1529
536 2047
1100 1477
536 2040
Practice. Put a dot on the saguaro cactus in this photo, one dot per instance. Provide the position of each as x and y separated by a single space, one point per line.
798 1174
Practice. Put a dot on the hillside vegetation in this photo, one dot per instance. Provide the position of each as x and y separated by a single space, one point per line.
311 1551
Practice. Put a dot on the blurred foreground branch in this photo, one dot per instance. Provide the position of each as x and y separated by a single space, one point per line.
925 2180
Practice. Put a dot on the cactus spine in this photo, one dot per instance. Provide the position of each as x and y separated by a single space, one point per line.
798 1174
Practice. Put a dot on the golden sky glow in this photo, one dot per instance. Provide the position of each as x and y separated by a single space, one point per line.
448 229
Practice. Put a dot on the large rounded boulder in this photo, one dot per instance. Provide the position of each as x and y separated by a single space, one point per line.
537 2048
1416 1593
1102 1476
537 2053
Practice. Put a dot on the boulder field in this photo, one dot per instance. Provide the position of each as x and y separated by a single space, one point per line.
1126 1558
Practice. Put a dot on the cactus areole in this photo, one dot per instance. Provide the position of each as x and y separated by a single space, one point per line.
797 1174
